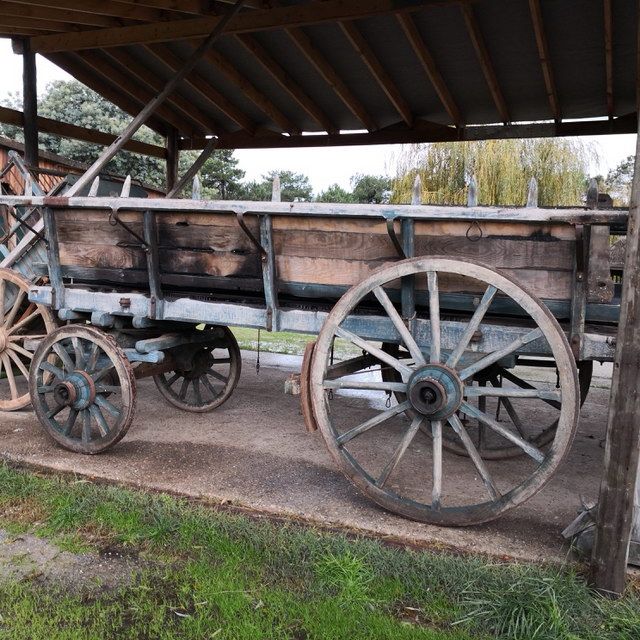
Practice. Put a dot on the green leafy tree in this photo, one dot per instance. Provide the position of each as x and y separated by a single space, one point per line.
369 189
335 193
74 103
618 182
502 169
293 186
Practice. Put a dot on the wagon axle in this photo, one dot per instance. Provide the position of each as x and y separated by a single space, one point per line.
435 391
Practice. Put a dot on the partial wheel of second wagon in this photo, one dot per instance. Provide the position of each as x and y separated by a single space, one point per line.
380 443
82 389
22 324
208 372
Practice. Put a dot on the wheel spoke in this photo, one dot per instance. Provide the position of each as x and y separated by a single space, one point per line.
436 436
183 389
434 315
55 411
92 362
14 310
217 376
222 361
196 391
172 379
96 414
64 356
515 418
367 385
350 367
18 349
86 426
527 447
107 406
19 363
483 363
45 389
108 388
408 436
23 322
472 327
3 289
376 420
102 373
400 326
373 350
523 384
58 373
77 348
205 381
10 377
458 427
502 392
71 420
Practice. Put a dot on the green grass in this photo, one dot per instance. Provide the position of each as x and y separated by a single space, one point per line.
210 574
287 342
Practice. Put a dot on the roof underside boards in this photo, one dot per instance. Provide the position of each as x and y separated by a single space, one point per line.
397 70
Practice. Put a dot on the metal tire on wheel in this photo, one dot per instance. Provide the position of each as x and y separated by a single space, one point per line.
20 321
209 379
386 455
83 389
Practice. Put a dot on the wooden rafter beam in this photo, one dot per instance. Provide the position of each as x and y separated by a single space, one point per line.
287 83
184 108
109 70
429 65
66 130
198 7
43 26
103 8
485 61
545 59
247 22
428 132
331 77
377 70
203 87
81 71
608 54
26 12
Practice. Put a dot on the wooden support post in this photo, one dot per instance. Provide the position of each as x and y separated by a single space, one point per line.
615 507
30 105
173 159
192 171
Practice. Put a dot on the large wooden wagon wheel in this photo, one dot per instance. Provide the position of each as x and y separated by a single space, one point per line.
21 323
209 375
385 453
83 389
526 373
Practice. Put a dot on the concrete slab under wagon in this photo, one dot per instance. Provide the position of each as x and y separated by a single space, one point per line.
255 452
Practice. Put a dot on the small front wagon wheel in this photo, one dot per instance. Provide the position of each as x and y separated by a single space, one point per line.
82 389
375 429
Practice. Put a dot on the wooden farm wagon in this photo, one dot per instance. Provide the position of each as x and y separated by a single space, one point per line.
432 322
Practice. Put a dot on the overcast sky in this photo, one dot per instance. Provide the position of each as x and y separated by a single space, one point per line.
324 166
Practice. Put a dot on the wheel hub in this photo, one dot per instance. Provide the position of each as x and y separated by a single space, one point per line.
4 339
77 391
435 391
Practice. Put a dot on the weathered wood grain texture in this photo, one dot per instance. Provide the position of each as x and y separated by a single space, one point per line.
616 503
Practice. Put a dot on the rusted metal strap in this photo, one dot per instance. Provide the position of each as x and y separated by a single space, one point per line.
391 230
22 222
249 234
115 220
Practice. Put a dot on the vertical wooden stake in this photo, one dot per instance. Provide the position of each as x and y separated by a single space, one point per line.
532 194
30 105
276 195
472 192
416 192
615 507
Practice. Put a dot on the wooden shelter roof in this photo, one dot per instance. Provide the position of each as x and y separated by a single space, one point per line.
364 71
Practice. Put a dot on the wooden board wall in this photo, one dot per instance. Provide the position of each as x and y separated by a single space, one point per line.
313 250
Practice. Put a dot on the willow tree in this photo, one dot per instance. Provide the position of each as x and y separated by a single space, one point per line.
502 169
